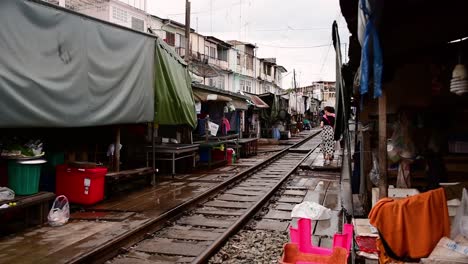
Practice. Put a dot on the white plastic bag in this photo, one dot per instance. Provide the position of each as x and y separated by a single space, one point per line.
6 194
460 222
60 212
311 210
374 174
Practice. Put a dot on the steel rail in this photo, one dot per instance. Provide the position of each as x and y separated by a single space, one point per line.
111 248
240 223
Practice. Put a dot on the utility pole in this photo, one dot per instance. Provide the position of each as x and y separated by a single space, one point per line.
295 89
187 31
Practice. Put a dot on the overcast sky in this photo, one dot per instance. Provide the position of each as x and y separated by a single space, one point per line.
282 29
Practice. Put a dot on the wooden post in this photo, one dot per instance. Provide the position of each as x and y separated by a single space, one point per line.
153 143
383 184
207 127
117 150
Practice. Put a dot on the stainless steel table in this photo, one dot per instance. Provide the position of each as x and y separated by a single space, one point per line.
171 152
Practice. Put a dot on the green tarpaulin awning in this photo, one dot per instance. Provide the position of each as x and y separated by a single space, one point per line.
174 104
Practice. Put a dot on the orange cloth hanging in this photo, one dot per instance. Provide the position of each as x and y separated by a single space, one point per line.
412 227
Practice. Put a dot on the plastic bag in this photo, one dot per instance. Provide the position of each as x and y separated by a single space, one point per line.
311 210
403 176
6 194
374 174
401 145
60 212
460 222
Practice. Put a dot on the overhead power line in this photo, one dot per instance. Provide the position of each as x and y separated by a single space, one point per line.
292 47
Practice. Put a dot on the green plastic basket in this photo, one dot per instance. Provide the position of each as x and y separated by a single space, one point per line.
24 178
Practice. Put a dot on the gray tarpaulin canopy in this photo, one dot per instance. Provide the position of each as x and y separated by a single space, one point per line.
59 69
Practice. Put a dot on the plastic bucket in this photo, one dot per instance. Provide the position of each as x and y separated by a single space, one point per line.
24 176
230 156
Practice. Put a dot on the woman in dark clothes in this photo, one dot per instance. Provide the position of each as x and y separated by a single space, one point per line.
327 124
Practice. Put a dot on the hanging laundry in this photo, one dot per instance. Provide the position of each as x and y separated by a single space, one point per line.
371 42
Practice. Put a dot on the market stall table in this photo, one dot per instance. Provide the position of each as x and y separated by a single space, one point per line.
36 208
213 143
248 147
173 152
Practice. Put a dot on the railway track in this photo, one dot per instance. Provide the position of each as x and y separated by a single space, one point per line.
193 231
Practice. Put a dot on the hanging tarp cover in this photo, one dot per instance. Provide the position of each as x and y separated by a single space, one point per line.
59 69
174 104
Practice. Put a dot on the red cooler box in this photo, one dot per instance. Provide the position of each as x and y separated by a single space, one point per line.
79 185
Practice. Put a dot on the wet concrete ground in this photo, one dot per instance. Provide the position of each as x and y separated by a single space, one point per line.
63 244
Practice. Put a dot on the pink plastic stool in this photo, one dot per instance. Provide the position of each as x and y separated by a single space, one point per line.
302 236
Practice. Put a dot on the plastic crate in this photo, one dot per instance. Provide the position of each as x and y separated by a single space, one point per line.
79 185
204 153
218 155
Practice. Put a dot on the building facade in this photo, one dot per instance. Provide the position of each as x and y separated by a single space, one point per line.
323 91
228 65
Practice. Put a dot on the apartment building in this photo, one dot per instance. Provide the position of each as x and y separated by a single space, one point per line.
323 91
228 65
131 14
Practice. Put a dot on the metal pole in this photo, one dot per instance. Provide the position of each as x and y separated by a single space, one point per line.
187 30
295 91
117 150
383 183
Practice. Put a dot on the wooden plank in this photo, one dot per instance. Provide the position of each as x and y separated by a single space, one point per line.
332 200
102 216
315 196
255 189
274 225
138 171
169 247
237 198
234 205
383 183
201 235
294 200
295 192
137 257
291 187
24 201
328 227
199 220
318 193
278 215
238 191
284 207
217 211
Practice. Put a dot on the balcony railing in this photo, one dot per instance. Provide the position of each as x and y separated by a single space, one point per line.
209 60
180 51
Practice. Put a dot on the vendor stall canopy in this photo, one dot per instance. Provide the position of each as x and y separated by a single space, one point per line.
203 93
406 28
206 97
63 69
257 102
174 103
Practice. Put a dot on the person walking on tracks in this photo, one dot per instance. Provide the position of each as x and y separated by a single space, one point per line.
327 124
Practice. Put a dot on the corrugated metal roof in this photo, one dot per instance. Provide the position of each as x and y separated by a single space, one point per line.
205 97
259 103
